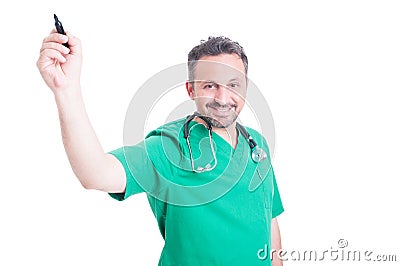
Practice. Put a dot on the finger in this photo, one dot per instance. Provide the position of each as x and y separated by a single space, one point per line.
74 44
55 46
53 31
56 37
51 54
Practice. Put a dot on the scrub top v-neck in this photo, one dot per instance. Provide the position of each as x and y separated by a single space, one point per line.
210 218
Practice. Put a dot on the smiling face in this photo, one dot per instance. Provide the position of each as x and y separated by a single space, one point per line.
219 88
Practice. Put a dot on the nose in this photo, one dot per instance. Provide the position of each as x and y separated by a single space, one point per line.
222 95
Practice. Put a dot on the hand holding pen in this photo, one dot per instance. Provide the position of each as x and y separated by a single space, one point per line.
60 59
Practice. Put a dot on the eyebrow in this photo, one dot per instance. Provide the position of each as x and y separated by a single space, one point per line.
205 81
212 81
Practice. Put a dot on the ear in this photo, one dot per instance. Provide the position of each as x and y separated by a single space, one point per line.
190 90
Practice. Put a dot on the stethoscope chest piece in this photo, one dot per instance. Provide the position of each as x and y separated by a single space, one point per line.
258 154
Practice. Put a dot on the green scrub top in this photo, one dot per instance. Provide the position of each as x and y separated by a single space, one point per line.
220 217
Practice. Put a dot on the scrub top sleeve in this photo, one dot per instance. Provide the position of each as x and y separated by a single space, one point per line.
277 207
132 187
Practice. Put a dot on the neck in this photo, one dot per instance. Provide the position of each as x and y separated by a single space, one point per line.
229 134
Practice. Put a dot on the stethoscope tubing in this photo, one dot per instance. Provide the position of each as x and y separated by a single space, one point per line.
257 154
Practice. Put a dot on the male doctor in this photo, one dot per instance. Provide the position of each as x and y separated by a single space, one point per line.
209 150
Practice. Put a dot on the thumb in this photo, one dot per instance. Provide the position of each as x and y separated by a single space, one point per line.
74 44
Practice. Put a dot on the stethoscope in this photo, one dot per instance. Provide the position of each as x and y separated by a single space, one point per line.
257 154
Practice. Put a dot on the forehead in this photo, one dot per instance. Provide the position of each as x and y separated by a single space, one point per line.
220 68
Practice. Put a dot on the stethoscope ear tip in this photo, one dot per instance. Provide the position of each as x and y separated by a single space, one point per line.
206 168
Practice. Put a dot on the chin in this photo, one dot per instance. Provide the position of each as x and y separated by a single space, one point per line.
221 124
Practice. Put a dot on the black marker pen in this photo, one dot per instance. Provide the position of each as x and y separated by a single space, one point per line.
60 28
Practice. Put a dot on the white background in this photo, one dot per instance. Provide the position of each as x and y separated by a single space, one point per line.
328 69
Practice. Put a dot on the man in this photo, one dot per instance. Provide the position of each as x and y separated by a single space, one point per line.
231 220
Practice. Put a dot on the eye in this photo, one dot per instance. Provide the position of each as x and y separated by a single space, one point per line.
210 86
234 85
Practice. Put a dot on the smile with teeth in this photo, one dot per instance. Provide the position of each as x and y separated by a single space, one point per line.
222 110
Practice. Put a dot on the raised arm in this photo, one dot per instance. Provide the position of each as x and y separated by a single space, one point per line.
60 68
